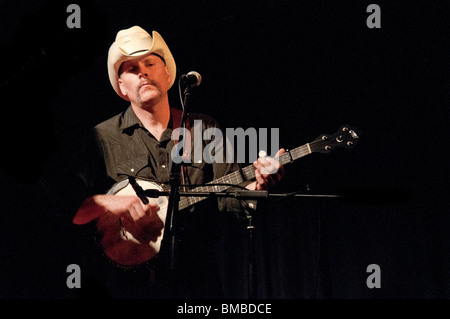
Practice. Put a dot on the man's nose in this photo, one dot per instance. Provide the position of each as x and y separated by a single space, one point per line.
143 71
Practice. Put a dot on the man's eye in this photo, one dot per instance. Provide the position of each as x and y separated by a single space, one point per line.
133 69
149 64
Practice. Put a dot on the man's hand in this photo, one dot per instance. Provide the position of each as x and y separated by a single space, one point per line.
140 220
268 172
129 208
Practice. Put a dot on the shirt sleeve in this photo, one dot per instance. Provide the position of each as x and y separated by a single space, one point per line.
91 169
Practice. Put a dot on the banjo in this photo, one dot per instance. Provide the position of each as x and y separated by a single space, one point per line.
127 245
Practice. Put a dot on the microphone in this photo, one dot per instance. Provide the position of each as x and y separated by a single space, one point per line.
192 79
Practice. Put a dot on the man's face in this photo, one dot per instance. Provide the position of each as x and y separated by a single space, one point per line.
144 80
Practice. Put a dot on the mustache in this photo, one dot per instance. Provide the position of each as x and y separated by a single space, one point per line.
154 83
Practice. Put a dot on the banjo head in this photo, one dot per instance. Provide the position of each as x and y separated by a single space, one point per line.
117 236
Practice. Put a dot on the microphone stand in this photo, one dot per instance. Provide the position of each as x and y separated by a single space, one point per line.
169 242
241 194
174 196
249 210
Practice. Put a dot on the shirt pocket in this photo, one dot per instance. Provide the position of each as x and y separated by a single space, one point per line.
132 166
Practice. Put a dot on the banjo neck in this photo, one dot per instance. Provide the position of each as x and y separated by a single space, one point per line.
344 137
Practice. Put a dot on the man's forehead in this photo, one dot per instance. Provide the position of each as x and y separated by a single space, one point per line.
149 56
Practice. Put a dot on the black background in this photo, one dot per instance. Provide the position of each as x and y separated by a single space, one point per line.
306 67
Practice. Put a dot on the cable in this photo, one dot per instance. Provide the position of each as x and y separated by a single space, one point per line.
180 94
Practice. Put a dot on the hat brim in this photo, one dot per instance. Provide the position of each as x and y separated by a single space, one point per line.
146 45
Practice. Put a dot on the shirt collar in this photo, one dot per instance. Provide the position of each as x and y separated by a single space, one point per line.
129 120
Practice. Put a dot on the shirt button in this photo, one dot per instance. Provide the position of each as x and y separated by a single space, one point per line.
163 166
132 170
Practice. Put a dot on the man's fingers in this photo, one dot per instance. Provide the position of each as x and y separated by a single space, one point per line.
261 181
268 171
268 166
138 210
280 151
134 213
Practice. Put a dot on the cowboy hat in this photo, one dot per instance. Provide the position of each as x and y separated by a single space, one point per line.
132 43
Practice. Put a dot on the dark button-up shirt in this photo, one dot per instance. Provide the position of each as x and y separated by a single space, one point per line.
121 146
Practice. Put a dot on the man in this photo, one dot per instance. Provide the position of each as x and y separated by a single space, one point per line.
138 143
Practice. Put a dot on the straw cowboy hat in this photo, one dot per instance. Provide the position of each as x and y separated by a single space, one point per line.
132 43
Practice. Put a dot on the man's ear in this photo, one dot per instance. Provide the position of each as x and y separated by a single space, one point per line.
168 74
122 87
